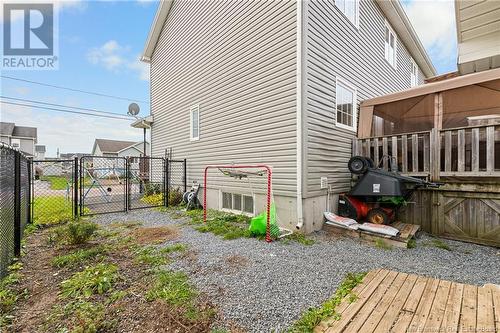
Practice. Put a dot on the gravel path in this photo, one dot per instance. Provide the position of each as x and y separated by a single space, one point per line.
263 287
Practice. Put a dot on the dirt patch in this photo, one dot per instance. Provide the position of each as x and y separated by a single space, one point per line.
124 308
154 235
236 261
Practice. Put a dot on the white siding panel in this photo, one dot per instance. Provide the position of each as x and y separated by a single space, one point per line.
237 60
336 48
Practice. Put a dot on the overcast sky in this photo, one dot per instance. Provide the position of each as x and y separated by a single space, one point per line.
99 48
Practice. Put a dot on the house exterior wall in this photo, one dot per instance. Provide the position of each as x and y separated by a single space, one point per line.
27 145
237 61
133 151
337 49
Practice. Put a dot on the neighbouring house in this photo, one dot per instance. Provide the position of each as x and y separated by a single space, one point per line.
70 156
448 131
40 151
23 138
275 82
118 148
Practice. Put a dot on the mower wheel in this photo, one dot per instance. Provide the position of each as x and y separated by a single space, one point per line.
358 165
377 216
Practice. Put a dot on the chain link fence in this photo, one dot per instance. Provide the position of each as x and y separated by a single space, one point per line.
15 192
176 181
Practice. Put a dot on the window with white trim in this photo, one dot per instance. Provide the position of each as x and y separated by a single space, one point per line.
194 122
238 203
390 45
414 74
350 8
345 105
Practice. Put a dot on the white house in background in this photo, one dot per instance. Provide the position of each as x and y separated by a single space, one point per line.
21 137
278 83
40 151
111 148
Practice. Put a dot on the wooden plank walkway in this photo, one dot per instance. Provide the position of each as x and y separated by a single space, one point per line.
389 301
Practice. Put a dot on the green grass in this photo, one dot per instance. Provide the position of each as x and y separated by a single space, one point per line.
52 210
172 287
8 294
80 257
179 247
299 238
381 244
151 256
227 225
312 317
439 244
57 182
412 243
96 279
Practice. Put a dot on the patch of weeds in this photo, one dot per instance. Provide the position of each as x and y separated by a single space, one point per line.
151 256
96 279
227 225
126 224
300 238
179 247
412 243
79 257
172 287
79 316
153 199
73 233
312 317
52 210
116 296
381 244
439 244
8 294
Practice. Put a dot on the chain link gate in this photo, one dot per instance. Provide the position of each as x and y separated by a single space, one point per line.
146 182
176 181
53 191
103 184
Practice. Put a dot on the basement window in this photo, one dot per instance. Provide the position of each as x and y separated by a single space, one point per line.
237 203
194 122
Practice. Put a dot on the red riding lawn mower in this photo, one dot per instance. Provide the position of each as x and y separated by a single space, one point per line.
378 194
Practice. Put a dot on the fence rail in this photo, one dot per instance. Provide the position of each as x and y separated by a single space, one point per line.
467 151
15 192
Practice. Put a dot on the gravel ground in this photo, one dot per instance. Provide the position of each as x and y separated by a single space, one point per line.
262 287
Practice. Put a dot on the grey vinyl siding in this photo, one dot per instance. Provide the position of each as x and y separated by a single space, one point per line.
237 60
338 49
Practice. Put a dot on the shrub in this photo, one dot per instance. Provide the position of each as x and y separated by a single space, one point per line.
175 197
79 257
73 233
95 279
152 188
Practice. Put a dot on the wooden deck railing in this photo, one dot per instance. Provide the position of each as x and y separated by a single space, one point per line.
458 152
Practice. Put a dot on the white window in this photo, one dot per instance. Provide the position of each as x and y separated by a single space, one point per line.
345 105
414 74
350 8
194 122
390 45
237 203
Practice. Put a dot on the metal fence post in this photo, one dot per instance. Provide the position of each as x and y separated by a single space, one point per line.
29 164
75 188
185 175
167 188
17 204
128 175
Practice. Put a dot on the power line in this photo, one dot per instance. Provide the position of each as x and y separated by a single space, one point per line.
76 90
62 105
67 111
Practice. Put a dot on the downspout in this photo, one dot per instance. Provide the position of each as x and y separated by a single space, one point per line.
300 214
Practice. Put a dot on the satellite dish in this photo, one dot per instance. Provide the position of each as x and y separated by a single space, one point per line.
133 109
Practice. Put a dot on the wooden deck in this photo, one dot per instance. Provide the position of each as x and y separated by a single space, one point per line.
389 301
406 232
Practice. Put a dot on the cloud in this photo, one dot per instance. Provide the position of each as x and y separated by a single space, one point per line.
116 58
23 91
55 128
437 31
